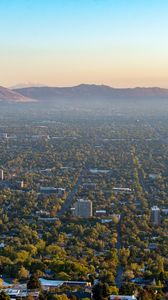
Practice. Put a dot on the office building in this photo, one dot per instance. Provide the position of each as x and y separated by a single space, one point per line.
1 174
155 215
83 208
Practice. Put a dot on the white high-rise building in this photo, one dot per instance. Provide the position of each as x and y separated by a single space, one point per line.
83 208
155 215
1 174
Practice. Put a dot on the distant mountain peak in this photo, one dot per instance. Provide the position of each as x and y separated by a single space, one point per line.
7 95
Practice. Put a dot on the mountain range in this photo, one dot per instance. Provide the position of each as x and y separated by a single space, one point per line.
83 91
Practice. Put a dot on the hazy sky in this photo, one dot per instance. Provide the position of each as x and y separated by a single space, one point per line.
66 42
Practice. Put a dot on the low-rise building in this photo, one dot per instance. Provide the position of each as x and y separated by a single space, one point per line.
52 190
122 297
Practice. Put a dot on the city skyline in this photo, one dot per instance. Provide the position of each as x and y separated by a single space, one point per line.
65 43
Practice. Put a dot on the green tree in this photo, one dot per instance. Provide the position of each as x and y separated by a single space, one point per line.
4 296
33 283
23 273
101 291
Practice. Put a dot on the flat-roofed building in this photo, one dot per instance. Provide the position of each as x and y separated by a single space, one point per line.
122 297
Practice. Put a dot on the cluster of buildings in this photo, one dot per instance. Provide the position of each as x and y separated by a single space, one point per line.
10 184
84 209
20 291
46 190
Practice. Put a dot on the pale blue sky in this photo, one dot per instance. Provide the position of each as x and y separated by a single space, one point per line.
67 42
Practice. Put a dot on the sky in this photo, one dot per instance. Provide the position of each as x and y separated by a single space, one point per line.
121 43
